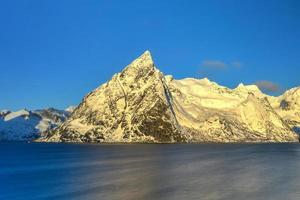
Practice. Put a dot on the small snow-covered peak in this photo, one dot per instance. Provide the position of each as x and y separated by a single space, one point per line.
248 88
205 80
19 113
169 78
208 82
241 86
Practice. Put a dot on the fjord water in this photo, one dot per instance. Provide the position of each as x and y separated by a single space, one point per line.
143 171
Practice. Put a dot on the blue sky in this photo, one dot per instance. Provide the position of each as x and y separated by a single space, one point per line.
54 52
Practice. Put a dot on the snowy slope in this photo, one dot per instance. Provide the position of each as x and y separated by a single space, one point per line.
140 104
288 107
27 125
208 112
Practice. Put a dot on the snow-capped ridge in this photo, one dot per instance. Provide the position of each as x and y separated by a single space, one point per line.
26 124
19 113
293 91
203 82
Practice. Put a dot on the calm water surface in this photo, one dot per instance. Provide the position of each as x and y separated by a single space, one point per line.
183 171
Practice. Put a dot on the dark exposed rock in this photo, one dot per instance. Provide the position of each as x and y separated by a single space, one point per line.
285 105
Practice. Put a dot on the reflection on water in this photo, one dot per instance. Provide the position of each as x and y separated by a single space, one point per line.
183 171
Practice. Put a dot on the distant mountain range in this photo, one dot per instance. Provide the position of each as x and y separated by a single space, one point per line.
26 125
141 104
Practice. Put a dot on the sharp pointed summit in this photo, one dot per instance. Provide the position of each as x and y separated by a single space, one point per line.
143 61
147 54
145 57
139 68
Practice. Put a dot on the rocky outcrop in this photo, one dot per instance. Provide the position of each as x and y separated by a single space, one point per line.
140 104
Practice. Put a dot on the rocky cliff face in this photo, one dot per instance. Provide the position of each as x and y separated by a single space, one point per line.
140 104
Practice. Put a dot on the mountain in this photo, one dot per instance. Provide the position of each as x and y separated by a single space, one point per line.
24 125
133 106
140 104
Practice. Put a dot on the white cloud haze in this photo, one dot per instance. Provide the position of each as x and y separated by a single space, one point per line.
217 64
214 64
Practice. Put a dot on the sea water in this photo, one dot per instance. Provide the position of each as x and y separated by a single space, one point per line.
149 171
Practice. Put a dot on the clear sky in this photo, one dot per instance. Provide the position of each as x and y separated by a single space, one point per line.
54 52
